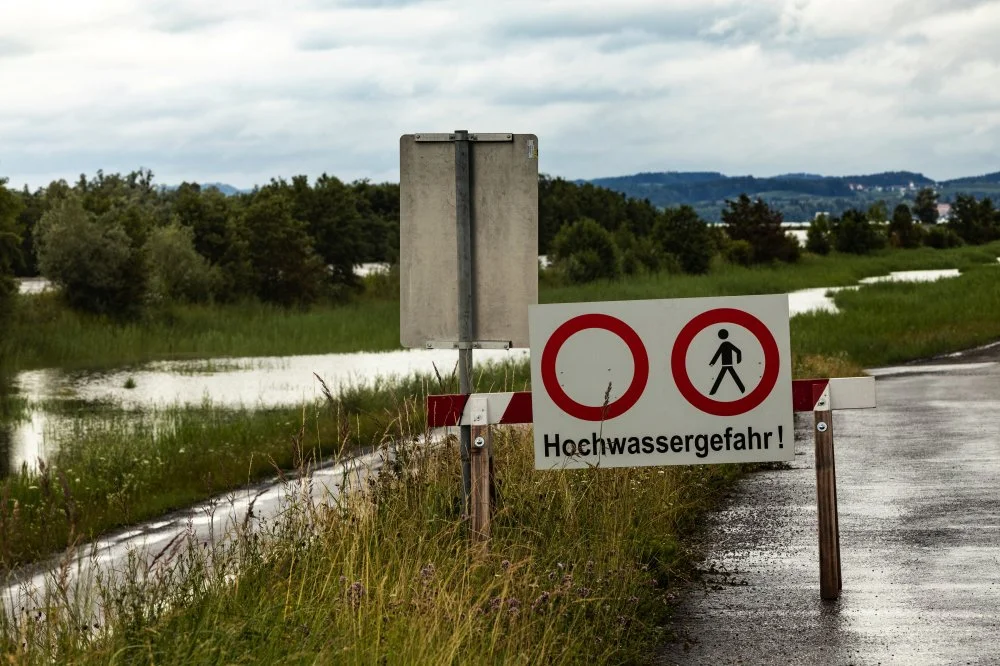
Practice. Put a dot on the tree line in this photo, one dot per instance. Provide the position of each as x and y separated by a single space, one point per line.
117 244
971 221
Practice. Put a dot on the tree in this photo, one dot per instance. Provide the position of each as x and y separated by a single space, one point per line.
681 233
638 253
586 251
207 213
284 267
330 213
10 243
975 222
378 206
92 258
902 231
854 233
178 273
878 212
925 206
760 225
32 209
818 236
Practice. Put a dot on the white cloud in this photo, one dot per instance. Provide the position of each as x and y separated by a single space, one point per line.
245 90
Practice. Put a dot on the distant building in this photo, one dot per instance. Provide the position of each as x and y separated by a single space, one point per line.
944 211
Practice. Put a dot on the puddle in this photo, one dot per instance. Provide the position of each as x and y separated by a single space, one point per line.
244 382
913 276
238 382
819 299
33 285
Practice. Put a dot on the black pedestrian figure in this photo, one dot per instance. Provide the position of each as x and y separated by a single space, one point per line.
725 354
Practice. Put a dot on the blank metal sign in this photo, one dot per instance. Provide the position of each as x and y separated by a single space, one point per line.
504 187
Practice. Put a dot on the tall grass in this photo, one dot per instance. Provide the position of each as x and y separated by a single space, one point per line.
894 322
812 271
579 569
118 467
46 334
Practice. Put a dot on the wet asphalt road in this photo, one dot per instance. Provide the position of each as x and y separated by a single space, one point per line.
919 498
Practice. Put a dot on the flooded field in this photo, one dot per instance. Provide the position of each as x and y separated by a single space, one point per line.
42 417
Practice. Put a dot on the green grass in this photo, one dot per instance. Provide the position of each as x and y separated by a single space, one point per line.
812 271
891 323
118 467
46 334
579 569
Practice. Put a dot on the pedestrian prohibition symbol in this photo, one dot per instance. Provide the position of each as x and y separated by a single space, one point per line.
660 382
725 354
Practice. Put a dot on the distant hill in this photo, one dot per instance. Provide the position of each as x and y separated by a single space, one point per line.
986 178
799 196
228 190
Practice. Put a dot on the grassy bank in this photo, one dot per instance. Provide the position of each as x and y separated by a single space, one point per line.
47 335
579 569
891 323
117 467
812 271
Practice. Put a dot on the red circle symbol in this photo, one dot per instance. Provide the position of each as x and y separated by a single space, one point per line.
678 362
639 358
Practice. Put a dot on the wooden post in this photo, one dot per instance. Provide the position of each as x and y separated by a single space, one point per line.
482 443
830 582
480 470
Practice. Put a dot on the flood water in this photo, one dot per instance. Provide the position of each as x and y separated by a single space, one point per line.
34 433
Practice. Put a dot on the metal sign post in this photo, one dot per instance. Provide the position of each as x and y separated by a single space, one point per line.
463 231
478 297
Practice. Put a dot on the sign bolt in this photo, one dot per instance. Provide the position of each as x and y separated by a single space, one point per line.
479 442
821 426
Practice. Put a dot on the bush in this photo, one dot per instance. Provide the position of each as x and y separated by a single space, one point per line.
639 254
941 238
384 285
740 252
854 233
93 259
760 225
818 237
680 232
902 231
178 273
586 251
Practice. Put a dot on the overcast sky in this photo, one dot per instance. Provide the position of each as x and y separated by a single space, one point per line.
239 91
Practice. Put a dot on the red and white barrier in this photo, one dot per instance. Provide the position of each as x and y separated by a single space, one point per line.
808 395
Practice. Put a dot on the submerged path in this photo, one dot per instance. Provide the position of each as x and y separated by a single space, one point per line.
150 544
919 496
